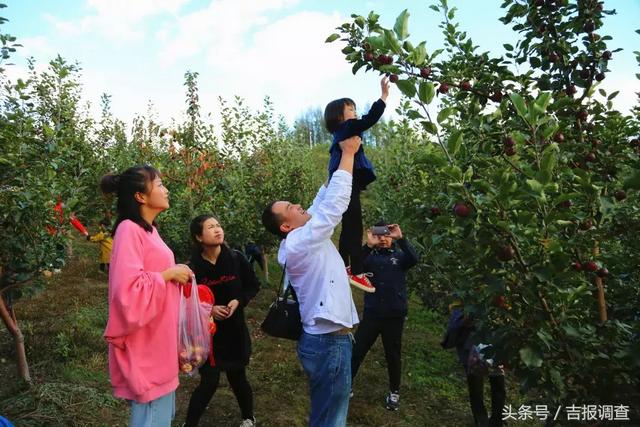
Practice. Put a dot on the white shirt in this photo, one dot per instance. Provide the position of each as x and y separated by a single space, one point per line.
314 266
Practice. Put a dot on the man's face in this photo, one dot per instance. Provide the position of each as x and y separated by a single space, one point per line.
384 242
292 216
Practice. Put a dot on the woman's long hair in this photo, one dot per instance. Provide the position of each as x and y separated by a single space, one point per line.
137 179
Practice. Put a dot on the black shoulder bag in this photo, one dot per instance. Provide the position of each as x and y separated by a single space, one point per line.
283 318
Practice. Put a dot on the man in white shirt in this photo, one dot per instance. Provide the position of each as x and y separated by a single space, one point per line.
317 274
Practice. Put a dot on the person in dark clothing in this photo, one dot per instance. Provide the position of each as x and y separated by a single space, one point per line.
342 122
233 282
254 254
460 334
385 310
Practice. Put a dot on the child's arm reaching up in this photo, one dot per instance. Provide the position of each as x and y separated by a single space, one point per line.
357 126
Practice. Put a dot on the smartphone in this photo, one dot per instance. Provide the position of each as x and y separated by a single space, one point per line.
380 230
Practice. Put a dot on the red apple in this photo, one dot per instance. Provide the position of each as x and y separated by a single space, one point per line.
591 266
425 72
461 210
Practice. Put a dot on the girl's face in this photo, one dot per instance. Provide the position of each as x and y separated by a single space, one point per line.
212 233
349 112
157 198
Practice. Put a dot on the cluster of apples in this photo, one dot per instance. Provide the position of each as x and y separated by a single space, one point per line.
191 358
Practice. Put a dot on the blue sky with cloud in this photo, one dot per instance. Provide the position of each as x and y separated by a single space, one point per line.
138 50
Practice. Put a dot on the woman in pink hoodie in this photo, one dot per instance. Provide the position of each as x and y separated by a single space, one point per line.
144 297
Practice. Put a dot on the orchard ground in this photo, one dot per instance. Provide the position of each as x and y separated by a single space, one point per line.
63 328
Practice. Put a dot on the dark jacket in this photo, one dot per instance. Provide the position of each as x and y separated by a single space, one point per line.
389 267
363 173
232 277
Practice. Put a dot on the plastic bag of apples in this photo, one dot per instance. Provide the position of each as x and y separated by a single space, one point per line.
195 327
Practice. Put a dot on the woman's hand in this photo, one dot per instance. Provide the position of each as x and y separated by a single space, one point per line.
232 306
179 273
220 312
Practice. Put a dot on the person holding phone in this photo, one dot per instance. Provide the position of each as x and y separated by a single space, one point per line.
388 255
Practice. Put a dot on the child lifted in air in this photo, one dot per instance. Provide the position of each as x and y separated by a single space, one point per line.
342 122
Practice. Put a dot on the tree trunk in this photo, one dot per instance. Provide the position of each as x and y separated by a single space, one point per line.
9 319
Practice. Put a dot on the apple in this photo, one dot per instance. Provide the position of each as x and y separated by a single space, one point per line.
368 56
509 142
558 137
554 57
590 157
583 115
606 55
585 73
600 77
393 78
465 85
499 301
589 26
425 72
510 151
461 210
577 266
587 224
444 88
620 195
496 96
603 272
591 266
506 253
435 211
571 90
565 204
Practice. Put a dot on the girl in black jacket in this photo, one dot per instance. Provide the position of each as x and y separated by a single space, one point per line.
233 282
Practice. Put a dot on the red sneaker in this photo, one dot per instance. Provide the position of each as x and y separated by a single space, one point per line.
361 281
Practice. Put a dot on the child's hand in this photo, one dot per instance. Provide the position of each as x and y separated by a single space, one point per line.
384 87
372 239
395 232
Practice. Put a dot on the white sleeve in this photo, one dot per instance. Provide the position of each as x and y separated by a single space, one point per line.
328 207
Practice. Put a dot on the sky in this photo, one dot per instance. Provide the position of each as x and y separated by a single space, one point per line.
138 51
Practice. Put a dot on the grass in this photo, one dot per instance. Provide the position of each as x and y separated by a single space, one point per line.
63 328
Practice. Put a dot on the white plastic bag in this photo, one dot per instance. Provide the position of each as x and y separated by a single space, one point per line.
194 336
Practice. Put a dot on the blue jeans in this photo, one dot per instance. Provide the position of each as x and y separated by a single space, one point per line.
157 413
326 359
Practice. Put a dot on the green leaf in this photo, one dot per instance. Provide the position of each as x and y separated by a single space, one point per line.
543 100
376 42
444 113
508 47
420 54
530 357
633 182
401 27
426 92
392 42
454 142
333 37
407 87
549 158
430 127
613 95
535 186
360 21
519 104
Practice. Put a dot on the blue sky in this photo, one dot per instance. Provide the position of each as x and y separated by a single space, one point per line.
138 50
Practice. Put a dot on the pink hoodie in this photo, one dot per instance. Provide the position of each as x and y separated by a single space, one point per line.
142 330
